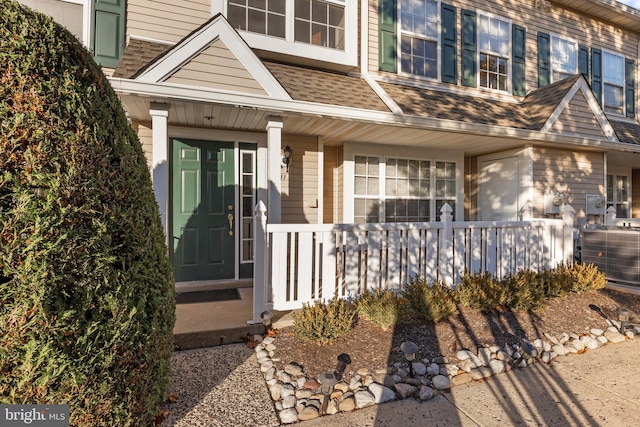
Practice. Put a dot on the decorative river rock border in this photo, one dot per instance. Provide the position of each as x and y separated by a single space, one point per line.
299 398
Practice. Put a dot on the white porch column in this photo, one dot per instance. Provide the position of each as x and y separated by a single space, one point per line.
159 160
274 144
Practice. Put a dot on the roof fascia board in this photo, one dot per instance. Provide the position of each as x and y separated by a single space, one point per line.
168 92
581 85
192 45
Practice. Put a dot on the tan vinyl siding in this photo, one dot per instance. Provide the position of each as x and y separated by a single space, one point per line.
572 173
635 193
300 185
169 20
218 68
578 119
333 159
145 135
586 30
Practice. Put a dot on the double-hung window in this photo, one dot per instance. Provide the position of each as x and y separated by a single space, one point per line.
315 22
618 194
402 190
564 58
419 37
494 37
613 70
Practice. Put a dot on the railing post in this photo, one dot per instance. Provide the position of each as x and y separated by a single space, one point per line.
446 255
610 217
567 219
260 260
526 212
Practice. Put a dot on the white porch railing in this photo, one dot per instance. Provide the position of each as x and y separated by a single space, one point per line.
296 264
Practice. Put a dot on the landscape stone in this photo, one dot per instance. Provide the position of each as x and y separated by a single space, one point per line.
364 398
347 404
560 349
405 390
614 336
426 393
275 391
308 413
461 379
589 342
289 402
440 382
293 369
381 393
312 384
288 416
497 366
419 368
287 390
481 373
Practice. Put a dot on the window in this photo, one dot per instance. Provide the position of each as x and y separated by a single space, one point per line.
618 194
410 193
316 22
258 16
319 23
613 83
495 46
248 200
419 37
564 58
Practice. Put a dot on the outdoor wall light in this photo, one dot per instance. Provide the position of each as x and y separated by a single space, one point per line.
409 349
327 380
286 157
343 361
266 317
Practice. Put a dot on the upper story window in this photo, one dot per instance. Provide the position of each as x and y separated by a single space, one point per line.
320 23
259 16
322 30
494 39
419 37
613 82
564 58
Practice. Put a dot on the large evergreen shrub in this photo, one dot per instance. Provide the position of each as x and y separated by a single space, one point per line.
86 289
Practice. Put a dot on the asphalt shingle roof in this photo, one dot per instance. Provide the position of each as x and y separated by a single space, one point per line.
137 54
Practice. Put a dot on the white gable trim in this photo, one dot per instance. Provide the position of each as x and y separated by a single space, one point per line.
581 85
192 45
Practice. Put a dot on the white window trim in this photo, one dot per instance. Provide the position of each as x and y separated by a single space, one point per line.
403 153
509 56
289 46
624 78
437 39
569 39
617 172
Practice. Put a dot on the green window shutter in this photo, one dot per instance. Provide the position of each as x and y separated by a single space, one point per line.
107 38
449 39
630 87
583 61
519 57
544 59
596 73
469 48
387 44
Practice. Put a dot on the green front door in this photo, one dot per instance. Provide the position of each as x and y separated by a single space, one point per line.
203 213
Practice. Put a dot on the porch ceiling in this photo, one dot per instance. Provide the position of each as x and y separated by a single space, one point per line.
472 140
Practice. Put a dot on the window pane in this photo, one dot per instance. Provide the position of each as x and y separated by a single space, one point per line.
361 165
361 185
303 9
403 168
390 187
374 166
276 26
613 68
303 31
403 187
373 211
390 169
237 17
360 207
257 22
414 187
277 6
372 186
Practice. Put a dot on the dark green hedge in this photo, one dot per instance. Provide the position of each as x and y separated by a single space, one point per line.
87 302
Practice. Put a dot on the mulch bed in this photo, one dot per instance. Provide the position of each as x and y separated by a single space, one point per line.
372 348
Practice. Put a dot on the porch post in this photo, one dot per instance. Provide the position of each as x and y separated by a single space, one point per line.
526 213
159 159
610 217
567 219
274 144
446 264
260 262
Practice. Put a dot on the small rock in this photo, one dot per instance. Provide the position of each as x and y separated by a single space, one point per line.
589 342
551 338
497 366
332 407
405 390
602 340
614 336
484 354
293 369
440 382
481 373
279 406
275 391
308 413
266 367
419 368
630 334
289 402
501 355
268 340
384 379
402 373
564 337
363 372
597 332
348 404
312 384
355 382
461 379
560 349
381 394
364 398
287 390
316 403
303 393
546 356
426 393
464 354
433 369
397 378
261 354
571 347
269 374
579 344
288 416
337 394
443 371
342 386
284 377
440 360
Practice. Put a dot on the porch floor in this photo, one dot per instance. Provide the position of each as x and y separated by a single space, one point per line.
212 316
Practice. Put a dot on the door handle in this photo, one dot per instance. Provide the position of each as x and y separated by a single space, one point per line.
230 218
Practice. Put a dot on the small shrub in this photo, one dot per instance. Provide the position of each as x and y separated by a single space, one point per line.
481 291
435 302
586 278
525 290
323 322
381 307
558 281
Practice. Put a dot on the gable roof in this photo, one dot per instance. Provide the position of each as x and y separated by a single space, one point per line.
137 54
196 45
627 132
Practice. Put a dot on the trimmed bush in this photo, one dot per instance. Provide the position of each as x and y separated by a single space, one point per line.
431 302
86 290
481 292
525 290
586 278
382 307
323 322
